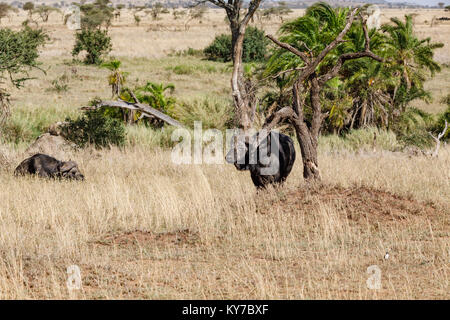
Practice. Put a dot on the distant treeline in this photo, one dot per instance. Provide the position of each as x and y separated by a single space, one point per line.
294 4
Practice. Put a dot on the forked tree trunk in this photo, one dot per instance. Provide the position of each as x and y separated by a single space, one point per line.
308 148
241 98
309 80
308 136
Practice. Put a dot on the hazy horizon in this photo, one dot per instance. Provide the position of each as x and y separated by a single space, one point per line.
422 2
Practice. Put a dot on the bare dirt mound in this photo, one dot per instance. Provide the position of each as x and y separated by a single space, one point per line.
145 238
357 203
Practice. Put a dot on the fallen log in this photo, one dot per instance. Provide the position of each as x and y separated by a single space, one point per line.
145 109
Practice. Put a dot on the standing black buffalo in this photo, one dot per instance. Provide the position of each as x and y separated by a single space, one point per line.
47 167
271 169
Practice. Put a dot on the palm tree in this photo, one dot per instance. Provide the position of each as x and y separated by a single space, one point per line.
368 86
380 91
367 81
409 58
154 95
310 34
116 78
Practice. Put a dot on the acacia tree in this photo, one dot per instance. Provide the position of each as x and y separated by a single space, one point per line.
280 11
317 63
5 10
156 10
29 7
243 97
44 11
19 51
91 38
195 13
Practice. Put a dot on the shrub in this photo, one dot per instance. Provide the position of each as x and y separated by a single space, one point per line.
183 69
219 49
94 128
255 47
96 43
412 128
156 95
440 123
60 84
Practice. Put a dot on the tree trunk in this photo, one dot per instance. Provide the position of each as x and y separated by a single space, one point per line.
308 137
308 147
242 104
242 90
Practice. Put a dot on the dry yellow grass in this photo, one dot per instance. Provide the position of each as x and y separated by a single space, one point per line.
156 39
142 227
144 50
239 244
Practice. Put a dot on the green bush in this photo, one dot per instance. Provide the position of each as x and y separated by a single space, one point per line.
219 49
412 128
445 116
96 43
440 124
255 47
183 69
94 128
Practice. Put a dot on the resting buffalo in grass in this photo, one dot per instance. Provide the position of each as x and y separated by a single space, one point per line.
269 163
47 167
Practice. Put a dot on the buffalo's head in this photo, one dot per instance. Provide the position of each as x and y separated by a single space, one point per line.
69 170
238 153
258 153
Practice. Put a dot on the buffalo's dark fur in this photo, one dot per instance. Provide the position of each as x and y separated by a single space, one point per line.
286 157
48 167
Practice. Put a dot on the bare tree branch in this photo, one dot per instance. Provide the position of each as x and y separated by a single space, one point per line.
438 139
290 48
345 57
219 3
143 108
351 56
253 6
275 118
271 122
339 38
